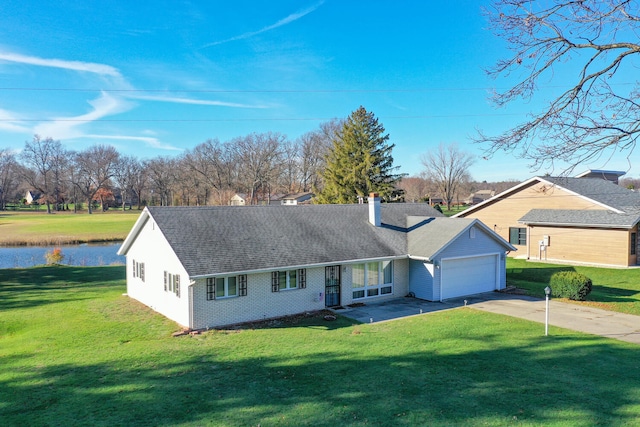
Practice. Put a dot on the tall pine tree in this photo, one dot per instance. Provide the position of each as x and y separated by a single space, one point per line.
359 161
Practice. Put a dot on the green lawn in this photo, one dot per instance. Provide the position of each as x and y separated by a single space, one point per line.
63 227
75 351
614 289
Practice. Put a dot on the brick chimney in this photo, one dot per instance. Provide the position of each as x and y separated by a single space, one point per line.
374 209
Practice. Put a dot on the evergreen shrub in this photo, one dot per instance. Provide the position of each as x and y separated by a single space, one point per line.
570 284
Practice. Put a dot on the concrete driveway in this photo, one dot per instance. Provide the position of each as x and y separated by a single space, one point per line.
624 327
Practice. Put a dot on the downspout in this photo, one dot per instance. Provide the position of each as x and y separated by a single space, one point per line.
191 319
528 242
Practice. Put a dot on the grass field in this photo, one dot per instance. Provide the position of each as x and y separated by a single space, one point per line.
75 351
40 228
615 289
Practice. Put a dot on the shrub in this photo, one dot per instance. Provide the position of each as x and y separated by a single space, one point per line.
570 284
54 257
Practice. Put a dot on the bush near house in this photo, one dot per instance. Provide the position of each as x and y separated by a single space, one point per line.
570 284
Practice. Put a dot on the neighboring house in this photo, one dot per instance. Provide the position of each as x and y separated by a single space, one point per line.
238 199
296 199
32 196
479 197
581 220
213 266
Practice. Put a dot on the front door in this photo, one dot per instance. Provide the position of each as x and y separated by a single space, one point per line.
332 286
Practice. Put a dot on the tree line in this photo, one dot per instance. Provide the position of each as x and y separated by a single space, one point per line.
341 162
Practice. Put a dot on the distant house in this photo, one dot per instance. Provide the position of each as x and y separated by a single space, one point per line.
580 220
238 199
296 199
479 196
32 196
218 265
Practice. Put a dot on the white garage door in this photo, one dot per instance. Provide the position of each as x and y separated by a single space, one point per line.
468 276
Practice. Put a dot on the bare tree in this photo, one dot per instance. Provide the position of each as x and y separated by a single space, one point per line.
40 156
314 147
161 175
8 176
213 162
594 42
95 167
139 180
124 175
448 168
415 188
258 158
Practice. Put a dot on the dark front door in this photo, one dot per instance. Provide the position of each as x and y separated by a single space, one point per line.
332 286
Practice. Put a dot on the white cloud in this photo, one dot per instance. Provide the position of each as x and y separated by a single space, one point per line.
287 20
10 122
191 101
66 127
151 142
89 67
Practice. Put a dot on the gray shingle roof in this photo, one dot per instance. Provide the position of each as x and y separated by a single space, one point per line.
224 239
600 190
568 217
427 237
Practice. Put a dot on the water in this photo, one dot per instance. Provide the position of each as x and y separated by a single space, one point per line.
87 254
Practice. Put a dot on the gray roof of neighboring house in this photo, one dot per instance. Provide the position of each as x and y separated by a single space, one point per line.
568 217
600 190
224 239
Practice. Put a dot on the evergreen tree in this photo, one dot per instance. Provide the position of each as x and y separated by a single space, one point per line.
359 162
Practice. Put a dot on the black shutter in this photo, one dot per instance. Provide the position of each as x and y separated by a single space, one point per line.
275 282
302 278
242 283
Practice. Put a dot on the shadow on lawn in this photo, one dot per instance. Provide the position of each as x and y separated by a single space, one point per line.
588 381
22 287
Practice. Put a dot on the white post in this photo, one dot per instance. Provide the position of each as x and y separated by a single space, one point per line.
547 292
546 323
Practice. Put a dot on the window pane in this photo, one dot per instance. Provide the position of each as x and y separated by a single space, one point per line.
358 294
293 281
282 278
387 267
233 287
372 292
220 287
358 276
385 290
373 278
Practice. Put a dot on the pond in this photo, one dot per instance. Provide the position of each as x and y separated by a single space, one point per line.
87 254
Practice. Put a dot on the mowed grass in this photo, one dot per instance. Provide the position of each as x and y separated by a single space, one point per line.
20 228
75 351
615 289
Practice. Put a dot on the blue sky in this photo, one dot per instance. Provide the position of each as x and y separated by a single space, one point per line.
158 77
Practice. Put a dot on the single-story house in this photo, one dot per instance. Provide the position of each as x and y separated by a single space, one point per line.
296 199
587 219
479 196
32 196
238 199
212 266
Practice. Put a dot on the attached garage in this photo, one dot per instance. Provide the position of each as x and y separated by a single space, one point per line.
468 275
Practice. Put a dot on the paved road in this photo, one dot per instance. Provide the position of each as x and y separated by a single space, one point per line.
624 327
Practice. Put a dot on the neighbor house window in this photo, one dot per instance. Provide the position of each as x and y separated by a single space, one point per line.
634 242
517 236
225 287
172 283
372 279
288 279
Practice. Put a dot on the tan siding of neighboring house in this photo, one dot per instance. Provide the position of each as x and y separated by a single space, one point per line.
587 246
502 214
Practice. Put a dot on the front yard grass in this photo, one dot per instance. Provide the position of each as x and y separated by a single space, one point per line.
614 289
75 351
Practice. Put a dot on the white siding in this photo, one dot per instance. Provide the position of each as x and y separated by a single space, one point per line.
151 248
